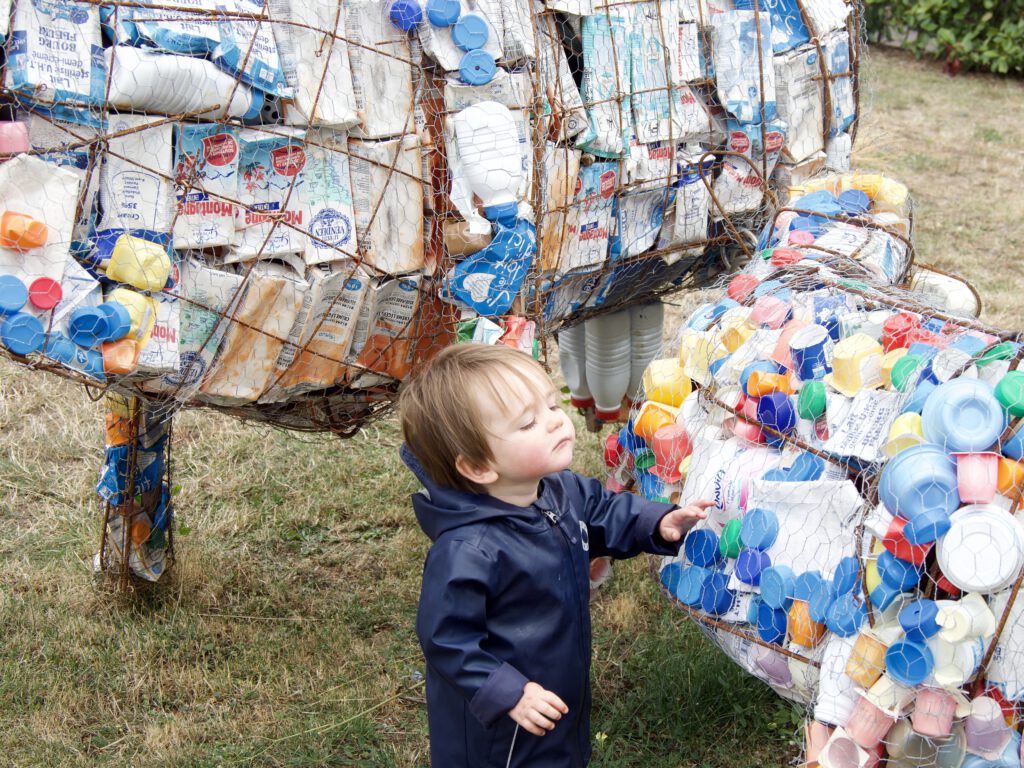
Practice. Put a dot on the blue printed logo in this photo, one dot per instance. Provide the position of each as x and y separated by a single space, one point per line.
330 229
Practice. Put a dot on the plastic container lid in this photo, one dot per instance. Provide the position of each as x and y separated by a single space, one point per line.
729 543
775 410
716 598
477 68
1010 393
778 585
963 415
919 479
759 528
443 13
701 547
691 584
806 584
742 286
854 202
771 623
88 326
470 32
918 619
846 615
812 401
119 321
750 564
983 550
909 663
13 294
1004 350
45 293
847 576
905 371
22 334
406 14
897 573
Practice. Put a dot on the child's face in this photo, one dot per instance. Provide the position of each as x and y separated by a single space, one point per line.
529 434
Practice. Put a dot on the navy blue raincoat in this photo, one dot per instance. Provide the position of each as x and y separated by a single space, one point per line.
505 601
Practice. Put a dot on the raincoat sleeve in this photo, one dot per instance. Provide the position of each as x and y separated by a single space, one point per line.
619 524
451 625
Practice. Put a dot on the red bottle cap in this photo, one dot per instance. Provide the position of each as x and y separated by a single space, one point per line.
741 286
44 293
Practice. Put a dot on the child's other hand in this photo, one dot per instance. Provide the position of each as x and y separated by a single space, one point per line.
676 523
538 710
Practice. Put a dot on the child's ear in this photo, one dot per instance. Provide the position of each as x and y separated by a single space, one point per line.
481 475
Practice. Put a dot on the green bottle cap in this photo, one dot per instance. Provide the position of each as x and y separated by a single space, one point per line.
905 370
1004 350
729 543
811 402
1010 392
644 459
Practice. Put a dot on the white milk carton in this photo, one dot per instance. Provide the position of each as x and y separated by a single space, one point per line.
207 298
389 338
687 219
388 205
837 54
179 32
741 66
248 49
606 72
381 73
591 220
827 15
694 117
271 220
161 356
136 193
327 198
47 193
259 329
315 65
206 181
741 185
314 357
688 58
55 55
799 101
65 144
518 42
438 44
561 170
78 289
651 54
560 88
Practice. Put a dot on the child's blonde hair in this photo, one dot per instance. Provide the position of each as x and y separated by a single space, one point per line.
441 411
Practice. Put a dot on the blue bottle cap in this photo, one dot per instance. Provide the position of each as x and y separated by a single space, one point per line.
854 202
470 32
13 294
883 596
820 602
701 548
119 322
909 663
443 13
847 576
22 334
406 14
88 361
778 586
759 528
806 584
897 573
750 564
846 615
771 624
670 576
716 598
477 68
918 620
691 584
88 326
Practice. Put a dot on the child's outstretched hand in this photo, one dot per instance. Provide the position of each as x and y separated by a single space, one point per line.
538 710
676 523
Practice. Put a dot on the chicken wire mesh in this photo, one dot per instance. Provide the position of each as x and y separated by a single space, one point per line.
860 444
278 209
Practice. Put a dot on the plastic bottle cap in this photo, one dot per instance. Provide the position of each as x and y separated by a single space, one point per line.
503 213
443 13
470 32
119 320
45 293
406 14
22 334
812 400
477 68
13 294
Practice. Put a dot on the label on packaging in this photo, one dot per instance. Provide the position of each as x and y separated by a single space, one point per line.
135 188
381 71
327 199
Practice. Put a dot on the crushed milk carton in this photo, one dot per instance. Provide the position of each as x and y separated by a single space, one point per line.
55 56
136 193
827 15
741 185
390 335
695 118
438 44
160 356
837 54
388 205
66 145
327 198
562 168
380 58
560 90
248 50
606 73
591 220
788 29
179 32
48 194
650 44
206 181
207 298
315 65
738 64
799 100
518 43
259 330
688 54
270 221
314 357
687 219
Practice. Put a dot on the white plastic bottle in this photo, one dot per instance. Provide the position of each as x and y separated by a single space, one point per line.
646 322
572 357
167 84
491 158
608 362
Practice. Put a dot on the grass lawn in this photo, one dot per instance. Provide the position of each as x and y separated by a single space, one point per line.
284 636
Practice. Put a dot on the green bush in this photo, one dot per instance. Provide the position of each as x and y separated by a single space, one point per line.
972 34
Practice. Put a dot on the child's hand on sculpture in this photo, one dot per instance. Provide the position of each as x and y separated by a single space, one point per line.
676 523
